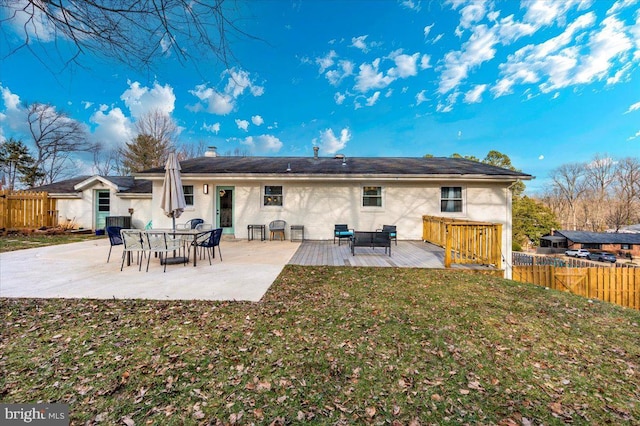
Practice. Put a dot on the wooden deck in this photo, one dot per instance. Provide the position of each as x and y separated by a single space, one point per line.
407 254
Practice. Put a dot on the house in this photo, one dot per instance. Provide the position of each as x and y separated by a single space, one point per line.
315 192
86 201
621 244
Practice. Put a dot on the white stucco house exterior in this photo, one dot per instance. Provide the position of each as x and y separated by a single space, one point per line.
316 192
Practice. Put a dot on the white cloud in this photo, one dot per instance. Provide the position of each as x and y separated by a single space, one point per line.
472 13
633 107
330 144
410 4
339 98
475 95
113 128
437 38
326 61
263 144
637 135
141 100
425 62
373 99
242 124
13 115
360 43
605 45
620 5
541 157
336 76
421 97
478 49
257 120
551 63
222 103
370 78
427 30
547 12
213 128
406 66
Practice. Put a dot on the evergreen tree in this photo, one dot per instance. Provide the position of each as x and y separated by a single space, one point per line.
144 152
16 163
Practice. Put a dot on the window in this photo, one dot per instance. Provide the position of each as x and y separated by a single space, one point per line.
451 199
188 194
372 196
273 195
626 246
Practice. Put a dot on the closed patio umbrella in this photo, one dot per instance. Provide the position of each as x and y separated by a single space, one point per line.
172 201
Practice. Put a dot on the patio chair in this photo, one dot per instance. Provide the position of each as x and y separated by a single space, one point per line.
277 227
113 232
210 243
341 231
391 229
161 243
132 241
190 224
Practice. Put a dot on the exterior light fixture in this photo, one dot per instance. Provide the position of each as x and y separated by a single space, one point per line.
205 188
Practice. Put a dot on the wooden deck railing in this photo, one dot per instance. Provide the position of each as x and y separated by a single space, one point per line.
27 209
465 242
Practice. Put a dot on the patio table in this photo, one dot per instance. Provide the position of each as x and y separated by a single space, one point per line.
193 233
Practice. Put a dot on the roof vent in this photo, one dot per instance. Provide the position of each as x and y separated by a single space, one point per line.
315 152
288 167
339 156
211 152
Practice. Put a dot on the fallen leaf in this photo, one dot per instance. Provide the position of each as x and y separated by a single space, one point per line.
370 411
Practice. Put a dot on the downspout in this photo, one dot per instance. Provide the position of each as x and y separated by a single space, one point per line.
508 267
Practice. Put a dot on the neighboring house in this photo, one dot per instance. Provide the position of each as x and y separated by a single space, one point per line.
85 201
620 244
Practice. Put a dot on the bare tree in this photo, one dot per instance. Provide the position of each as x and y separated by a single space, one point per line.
105 160
627 193
159 126
157 133
133 32
187 151
56 137
568 181
599 176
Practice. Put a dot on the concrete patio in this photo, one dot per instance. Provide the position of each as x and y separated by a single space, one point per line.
248 269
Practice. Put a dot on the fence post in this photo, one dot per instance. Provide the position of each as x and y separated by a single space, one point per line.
447 246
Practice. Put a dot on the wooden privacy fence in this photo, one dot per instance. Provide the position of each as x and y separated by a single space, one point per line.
465 242
27 209
615 285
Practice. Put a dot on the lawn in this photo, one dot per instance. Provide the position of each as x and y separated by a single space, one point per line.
23 240
331 345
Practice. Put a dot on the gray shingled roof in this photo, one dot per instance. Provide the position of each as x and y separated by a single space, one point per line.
336 166
600 237
129 184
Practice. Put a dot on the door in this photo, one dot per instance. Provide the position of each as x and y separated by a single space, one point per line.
102 207
224 212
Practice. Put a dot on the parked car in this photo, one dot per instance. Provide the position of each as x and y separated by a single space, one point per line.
602 256
577 253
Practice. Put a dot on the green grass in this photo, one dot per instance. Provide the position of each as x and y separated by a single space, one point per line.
331 345
20 241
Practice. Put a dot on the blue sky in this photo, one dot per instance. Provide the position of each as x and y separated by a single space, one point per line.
545 82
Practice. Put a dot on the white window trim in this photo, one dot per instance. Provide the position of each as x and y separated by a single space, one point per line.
463 212
262 194
373 208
